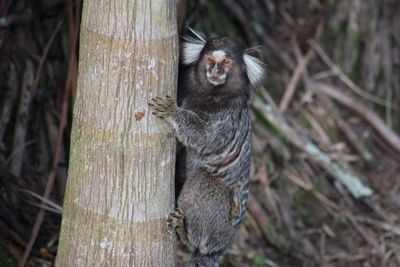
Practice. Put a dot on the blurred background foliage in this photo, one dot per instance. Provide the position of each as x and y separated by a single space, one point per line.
326 177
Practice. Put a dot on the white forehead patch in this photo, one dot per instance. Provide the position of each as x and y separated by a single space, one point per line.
218 53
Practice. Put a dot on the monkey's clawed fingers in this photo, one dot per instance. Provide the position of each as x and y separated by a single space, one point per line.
163 107
176 220
178 214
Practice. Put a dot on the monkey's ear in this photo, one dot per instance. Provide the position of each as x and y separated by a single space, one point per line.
254 66
192 47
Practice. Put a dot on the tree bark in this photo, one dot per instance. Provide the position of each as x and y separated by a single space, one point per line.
120 187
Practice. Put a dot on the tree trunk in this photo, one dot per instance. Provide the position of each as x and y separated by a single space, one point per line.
120 186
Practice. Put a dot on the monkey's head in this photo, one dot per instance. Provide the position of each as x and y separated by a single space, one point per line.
222 61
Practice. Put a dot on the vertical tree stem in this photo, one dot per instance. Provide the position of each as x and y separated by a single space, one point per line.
120 186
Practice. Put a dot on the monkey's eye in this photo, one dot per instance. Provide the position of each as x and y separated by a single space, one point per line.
210 60
226 62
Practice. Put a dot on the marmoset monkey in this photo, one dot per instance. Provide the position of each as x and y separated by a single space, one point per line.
213 124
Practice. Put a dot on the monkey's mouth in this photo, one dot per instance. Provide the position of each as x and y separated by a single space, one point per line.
216 79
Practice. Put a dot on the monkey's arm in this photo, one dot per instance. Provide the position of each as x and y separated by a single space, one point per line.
188 126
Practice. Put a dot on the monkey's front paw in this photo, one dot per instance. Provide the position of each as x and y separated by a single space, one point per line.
163 107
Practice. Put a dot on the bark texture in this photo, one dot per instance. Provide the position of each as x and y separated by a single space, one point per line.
120 187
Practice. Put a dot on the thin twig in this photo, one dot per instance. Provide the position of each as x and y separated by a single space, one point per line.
43 58
346 177
8 101
55 206
310 188
21 126
382 225
51 178
294 80
270 233
301 66
73 26
57 154
343 77
354 140
319 129
365 235
367 114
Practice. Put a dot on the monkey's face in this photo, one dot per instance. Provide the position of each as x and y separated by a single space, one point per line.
217 67
222 62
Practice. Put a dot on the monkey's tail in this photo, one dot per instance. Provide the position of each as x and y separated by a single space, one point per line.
209 260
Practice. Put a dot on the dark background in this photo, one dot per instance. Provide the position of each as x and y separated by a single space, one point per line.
299 215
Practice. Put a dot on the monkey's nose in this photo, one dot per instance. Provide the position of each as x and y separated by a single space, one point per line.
217 71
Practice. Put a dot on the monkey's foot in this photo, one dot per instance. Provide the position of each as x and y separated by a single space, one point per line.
176 222
163 107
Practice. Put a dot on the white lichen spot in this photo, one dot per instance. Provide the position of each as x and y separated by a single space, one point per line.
152 64
163 163
106 244
139 84
109 125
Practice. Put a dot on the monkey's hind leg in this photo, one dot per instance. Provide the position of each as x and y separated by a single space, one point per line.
176 222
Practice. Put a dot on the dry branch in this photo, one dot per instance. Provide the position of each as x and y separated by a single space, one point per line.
8 102
267 228
294 80
44 56
301 66
343 77
342 124
367 114
348 179
60 135
21 125
51 178
328 104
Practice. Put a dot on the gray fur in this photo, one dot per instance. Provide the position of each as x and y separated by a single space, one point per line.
213 124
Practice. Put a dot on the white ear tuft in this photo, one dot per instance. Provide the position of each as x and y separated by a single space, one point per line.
254 69
191 52
199 36
192 47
